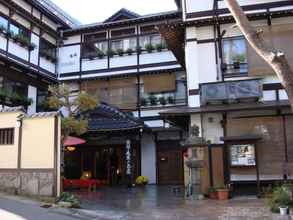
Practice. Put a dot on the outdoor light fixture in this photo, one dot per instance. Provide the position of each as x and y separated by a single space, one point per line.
71 148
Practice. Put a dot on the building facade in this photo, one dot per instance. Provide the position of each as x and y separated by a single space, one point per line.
172 71
234 97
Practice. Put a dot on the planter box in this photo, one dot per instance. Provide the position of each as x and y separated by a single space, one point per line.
223 194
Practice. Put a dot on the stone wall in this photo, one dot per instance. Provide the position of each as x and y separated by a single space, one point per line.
36 183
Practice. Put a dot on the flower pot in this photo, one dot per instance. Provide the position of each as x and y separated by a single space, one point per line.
213 195
223 194
283 211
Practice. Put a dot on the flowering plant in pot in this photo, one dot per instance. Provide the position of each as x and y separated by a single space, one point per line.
212 192
223 193
141 181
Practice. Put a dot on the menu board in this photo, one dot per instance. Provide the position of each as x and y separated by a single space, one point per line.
242 155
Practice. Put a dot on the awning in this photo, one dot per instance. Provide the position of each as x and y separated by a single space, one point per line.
266 105
248 138
72 141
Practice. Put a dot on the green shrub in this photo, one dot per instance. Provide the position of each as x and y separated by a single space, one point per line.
149 48
162 100
70 198
120 52
153 100
280 198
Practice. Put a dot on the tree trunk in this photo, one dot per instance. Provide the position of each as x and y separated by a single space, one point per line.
276 59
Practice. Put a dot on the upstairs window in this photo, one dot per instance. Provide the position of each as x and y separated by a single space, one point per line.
153 40
95 45
122 32
148 29
48 50
16 30
3 24
234 56
6 136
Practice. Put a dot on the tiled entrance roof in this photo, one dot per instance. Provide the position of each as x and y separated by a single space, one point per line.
106 118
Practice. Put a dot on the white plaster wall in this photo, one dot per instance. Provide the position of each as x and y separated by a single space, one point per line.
94 64
269 95
212 128
4 9
18 51
73 40
148 158
192 70
32 94
283 95
69 59
118 61
195 119
34 58
207 63
24 5
3 43
198 5
156 57
47 65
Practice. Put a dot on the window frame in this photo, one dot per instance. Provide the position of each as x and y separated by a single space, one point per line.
7 136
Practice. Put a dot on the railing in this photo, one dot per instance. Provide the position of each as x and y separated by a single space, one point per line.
236 69
230 91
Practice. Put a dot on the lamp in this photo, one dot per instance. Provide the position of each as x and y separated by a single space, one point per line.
71 148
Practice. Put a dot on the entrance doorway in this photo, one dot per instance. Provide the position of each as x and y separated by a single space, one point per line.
170 164
107 164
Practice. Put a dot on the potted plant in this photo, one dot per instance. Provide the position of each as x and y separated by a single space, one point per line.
111 53
141 181
212 192
143 102
149 48
100 54
3 29
153 100
171 100
32 46
160 47
280 200
129 51
162 100
120 52
222 193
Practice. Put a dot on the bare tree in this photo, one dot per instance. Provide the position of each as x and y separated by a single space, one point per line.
275 58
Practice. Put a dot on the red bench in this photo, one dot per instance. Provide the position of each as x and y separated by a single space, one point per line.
90 184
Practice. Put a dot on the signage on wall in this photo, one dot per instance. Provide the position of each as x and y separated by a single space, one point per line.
128 158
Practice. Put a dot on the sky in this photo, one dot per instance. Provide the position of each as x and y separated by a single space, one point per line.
92 11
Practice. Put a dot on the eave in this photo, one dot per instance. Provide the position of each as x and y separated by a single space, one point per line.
134 21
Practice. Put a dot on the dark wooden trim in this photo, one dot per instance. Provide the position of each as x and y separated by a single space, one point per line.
194 92
245 8
190 40
19 143
206 41
56 144
272 86
123 68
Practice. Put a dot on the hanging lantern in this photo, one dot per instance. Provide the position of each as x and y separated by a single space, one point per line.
71 148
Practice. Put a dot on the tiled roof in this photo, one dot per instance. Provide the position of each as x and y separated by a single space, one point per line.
55 10
109 118
11 109
42 115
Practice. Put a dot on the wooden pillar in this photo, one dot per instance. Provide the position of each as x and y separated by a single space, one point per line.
257 170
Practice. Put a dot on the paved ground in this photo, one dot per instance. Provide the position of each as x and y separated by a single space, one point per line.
162 203
150 203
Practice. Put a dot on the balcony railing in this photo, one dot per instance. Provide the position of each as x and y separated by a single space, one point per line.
230 91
